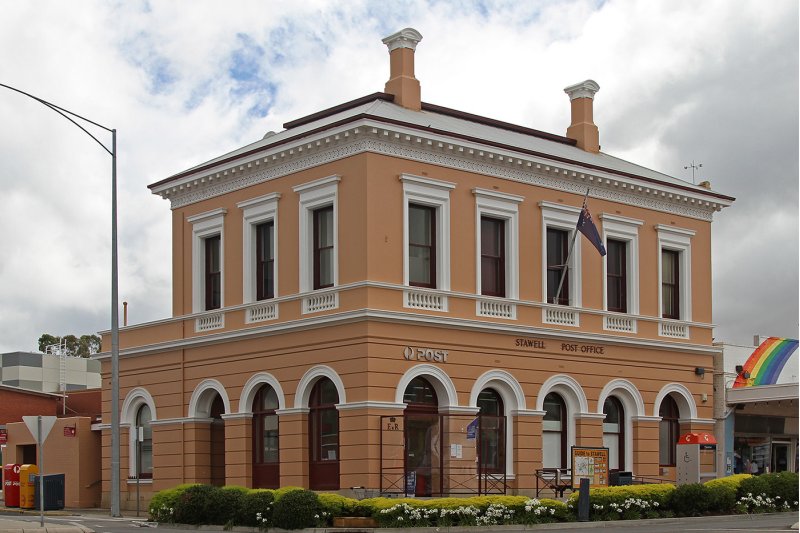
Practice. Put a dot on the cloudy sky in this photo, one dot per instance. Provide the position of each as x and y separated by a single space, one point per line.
714 82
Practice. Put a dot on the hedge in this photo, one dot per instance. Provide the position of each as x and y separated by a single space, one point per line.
294 507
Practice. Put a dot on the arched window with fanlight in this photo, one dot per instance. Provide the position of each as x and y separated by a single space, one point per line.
668 431
144 451
492 432
266 450
323 435
614 433
554 432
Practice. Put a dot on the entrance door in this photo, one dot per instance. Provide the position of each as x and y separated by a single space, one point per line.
422 452
323 435
780 457
422 439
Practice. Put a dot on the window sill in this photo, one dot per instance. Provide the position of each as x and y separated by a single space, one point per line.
426 299
141 481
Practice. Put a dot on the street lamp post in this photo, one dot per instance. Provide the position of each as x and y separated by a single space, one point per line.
115 511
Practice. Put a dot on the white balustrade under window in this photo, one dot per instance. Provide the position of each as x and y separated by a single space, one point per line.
619 323
321 302
675 331
262 311
560 317
209 322
425 300
496 309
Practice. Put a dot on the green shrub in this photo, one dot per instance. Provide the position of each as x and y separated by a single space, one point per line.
194 505
164 502
336 505
255 509
223 505
754 486
721 497
281 492
297 509
783 486
691 499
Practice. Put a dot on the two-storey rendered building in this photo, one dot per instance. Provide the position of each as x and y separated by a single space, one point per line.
369 298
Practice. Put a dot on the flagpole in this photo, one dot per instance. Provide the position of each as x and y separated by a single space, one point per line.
569 255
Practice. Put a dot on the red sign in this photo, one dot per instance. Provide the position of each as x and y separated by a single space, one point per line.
3 436
69 431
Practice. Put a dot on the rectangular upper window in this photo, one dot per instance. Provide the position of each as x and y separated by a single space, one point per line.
318 232
212 273
208 260
497 243
426 232
559 222
675 271
617 275
260 247
493 257
422 246
557 250
265 260
323 247
670 284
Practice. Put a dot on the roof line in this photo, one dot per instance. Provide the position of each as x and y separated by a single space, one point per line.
427 129
337 109
497 123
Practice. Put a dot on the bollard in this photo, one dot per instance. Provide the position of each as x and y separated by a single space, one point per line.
583 501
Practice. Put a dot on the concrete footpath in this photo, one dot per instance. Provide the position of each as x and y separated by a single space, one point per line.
11 523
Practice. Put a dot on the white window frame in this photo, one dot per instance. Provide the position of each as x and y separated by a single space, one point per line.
205 225
430 193
563 217
627 230
315 195
257 211
680 240
505 207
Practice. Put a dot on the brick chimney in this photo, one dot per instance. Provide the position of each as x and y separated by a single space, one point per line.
402 83
583 129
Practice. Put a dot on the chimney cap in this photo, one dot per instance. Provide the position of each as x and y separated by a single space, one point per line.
584 89
405 38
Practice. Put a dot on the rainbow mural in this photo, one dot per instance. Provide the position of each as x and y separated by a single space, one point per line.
766 363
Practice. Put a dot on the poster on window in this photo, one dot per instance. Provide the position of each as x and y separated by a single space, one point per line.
590 463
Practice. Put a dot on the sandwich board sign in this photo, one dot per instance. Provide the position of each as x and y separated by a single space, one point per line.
33 426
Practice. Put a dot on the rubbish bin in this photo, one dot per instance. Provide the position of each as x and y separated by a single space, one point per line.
11 485
27 478
625 478
53 492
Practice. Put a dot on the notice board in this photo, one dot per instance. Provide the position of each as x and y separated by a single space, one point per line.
591 463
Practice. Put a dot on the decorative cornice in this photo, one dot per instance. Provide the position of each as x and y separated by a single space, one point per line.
452 153
596 416
646 418
237 416
459 410
289 411
405 38
584 89
698 421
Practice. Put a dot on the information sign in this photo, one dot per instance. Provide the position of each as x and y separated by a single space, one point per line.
589 463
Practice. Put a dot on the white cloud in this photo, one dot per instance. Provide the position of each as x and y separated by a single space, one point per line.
714 82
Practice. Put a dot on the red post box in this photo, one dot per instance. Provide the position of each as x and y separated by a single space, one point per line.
11 485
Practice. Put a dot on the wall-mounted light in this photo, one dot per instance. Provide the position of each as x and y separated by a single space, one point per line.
740 371
699 371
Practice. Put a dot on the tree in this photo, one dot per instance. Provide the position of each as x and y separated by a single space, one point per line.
83 346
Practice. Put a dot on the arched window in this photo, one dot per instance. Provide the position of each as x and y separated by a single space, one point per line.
422 440
323 434
667 431
554 432
614 433
217 442
266 471
492 431
144 452
420 395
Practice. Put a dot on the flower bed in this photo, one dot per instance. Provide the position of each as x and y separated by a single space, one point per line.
294 508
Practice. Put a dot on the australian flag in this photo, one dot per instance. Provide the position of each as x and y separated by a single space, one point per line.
587 227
